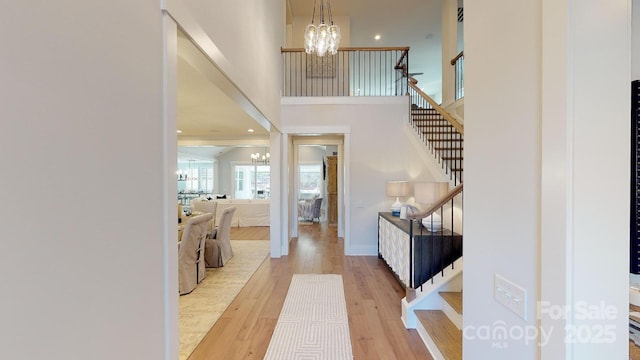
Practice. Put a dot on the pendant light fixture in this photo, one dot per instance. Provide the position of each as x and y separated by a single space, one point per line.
322 38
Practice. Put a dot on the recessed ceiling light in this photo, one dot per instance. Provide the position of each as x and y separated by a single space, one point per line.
179 131
250 130
377 37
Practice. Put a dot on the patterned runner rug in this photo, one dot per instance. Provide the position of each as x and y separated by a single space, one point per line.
313 323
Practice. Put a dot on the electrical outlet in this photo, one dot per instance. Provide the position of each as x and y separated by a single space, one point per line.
512 296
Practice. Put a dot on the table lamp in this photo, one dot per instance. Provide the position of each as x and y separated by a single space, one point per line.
429 193
397 189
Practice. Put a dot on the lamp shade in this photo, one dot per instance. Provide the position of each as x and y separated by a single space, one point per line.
429 193
397 188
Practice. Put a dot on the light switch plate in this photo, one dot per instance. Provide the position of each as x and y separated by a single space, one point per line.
512 296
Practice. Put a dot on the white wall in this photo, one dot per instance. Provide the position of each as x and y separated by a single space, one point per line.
311 154
82 271
450 40
379 151
635 41
537 122
502 155
249 34
301 22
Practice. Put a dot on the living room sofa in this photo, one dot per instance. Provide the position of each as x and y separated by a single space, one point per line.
249 212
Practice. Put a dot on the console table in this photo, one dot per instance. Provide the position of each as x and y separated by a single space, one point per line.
431 252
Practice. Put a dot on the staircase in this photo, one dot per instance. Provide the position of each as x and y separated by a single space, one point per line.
441 133
435 308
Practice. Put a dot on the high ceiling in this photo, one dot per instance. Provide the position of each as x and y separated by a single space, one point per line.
204 111
207 115
413 23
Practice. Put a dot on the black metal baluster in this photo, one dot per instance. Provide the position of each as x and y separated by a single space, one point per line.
411 282
441 238
451 239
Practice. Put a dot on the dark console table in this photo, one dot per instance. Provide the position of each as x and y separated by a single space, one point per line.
415 254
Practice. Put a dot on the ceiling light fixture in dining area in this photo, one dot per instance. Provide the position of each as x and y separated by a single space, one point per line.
260 159
322 38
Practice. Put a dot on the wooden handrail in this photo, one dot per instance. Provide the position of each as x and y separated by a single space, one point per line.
456 190
403 48
436 106
398 66
461 54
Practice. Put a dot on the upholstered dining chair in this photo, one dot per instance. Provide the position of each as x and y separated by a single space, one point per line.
191 251
218 249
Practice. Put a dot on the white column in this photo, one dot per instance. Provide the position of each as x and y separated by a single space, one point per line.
547 100
278 202
586 61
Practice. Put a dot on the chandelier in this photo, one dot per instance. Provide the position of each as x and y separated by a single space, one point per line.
322 38
184 175
260 159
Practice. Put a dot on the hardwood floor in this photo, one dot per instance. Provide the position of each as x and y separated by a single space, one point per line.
250 233
372 296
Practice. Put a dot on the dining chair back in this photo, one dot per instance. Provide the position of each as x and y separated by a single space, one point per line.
191 251
218 250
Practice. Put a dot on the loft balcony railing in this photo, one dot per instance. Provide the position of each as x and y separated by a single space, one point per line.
351 72
458 65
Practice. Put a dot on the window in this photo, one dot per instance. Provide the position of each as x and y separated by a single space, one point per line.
310 181
197 176
252 181
240 180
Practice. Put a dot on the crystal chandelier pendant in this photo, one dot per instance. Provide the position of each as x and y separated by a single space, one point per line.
334 39
322 38
310 38
322 42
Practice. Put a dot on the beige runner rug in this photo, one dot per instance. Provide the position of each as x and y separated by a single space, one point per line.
313 323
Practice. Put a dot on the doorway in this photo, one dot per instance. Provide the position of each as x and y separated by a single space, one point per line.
317 182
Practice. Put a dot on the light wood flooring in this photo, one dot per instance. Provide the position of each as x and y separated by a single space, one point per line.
250 233
372 296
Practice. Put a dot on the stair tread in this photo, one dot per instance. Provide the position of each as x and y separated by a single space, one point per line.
432 125
417 110
446 132
446 336
454 298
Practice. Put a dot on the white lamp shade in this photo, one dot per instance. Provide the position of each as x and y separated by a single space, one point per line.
429 193
397 188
